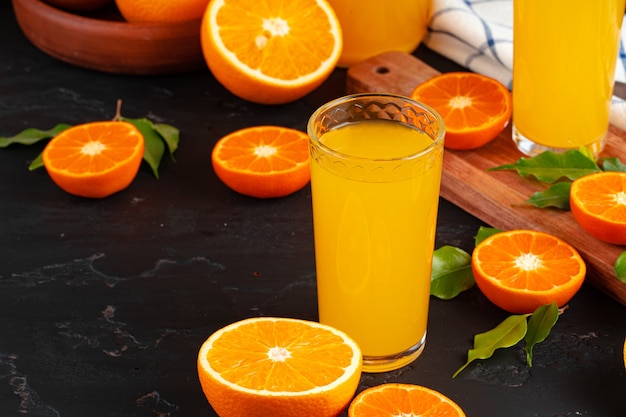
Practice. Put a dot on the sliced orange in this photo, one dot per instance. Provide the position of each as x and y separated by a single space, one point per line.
271 51
598 204
263 161
94 159
161 11
520 270
279 367
475 108
395 400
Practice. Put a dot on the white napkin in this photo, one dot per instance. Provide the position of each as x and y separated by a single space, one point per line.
478 34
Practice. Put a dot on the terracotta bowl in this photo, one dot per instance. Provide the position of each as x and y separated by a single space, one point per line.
103 41
79 5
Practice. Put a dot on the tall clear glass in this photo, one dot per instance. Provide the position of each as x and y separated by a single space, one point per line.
376 163
564 56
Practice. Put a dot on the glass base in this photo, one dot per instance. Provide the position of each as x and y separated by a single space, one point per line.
374 364
530 148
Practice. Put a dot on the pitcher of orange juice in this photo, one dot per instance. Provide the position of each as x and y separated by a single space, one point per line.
371 27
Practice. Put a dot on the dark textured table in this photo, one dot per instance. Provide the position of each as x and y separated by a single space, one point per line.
105 303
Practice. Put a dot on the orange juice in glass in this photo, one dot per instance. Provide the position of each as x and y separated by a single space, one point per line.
371 27
375 173
563 67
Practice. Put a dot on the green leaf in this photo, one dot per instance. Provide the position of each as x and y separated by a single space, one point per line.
451 272
550 167
170 135
540 324
484 233
505 334
613 164
555 196
620 267
36 163
31 135
154 144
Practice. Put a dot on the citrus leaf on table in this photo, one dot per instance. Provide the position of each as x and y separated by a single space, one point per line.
154 143
540 324
550 167
613 164
620 267
36 163
170 135
451 272
506 334
484 233
555 196
31 135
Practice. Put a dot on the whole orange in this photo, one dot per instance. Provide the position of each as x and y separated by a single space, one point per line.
161 11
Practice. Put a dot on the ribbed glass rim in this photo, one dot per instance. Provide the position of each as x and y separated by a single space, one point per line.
385 97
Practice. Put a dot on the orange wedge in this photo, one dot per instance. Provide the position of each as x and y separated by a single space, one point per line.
521 270
598 204
271 51
94 159
279 367
395 400
474 108
263 161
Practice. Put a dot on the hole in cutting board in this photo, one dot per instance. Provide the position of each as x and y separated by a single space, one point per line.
382 70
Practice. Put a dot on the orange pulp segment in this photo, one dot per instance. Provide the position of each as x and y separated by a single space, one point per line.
94 159
520 270
279 367
598 204
475 108
263 161
393 400
271 51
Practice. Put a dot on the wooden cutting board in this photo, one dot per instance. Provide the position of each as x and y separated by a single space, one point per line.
497 197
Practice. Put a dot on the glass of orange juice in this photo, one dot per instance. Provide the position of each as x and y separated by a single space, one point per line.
564 57
376 163
371 27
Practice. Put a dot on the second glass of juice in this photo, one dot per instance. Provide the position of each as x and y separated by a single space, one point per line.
564 57
376 163
371 27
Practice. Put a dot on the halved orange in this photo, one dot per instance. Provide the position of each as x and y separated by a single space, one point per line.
598 204
94 159
263 161
271 51
394 400
475 108
521 270
279 367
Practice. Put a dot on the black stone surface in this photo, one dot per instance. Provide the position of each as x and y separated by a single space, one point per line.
105 303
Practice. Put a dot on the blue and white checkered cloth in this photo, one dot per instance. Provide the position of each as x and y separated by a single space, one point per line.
478 34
